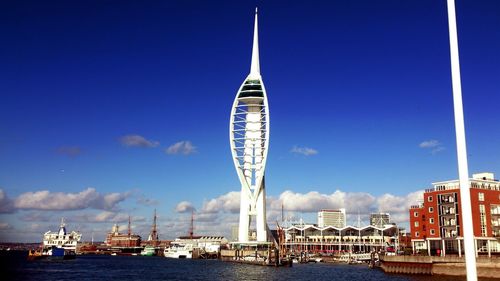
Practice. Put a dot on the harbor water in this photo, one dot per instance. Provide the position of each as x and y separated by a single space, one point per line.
103 267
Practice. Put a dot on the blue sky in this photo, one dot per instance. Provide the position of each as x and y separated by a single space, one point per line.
94 93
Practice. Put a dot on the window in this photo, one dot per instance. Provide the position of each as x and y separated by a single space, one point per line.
416 224
415 214
433 232
417 234
482 215
481 196
429 198
431 221
431 210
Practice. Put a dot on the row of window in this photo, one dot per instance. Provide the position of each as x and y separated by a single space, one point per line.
451 199
417 233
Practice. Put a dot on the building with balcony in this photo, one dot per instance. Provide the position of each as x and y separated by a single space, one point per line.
349 239
380 219
336 218
436 222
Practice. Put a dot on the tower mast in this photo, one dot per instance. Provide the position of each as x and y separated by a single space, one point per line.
249 139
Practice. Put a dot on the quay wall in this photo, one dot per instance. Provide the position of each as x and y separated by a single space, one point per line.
448 265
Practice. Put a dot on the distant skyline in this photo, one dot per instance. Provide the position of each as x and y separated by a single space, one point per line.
115 108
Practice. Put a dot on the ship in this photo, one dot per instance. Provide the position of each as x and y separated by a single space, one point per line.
152 244
57 245
191 246
179 250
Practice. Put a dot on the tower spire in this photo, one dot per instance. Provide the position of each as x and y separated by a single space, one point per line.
255 68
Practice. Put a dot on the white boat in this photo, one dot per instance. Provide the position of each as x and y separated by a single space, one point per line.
61 240
178 250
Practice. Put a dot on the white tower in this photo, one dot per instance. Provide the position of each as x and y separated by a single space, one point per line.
249 137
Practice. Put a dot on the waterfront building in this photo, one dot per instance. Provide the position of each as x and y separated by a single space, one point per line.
249 139
436 223
380 219
336 218
330 239
115 239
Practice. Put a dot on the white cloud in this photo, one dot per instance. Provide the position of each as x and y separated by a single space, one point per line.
137 140
437 149
429 144
182 147
434 145
304 150
88 198
107 216
6 205
229 202
220 213
314 201
184 207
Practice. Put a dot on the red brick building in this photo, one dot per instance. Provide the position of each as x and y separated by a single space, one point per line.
436 222
115 239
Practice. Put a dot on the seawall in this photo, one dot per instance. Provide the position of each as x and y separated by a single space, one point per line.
449 265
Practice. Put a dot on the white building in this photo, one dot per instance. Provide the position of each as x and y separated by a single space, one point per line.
330 239
380 219
336 218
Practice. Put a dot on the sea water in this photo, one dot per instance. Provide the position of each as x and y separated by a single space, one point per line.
129 268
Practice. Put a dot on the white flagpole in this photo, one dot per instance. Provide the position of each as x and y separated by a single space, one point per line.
463 173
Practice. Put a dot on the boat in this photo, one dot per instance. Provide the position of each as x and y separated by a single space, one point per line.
60 253
178 250
148 251
36 255
57 245
61 239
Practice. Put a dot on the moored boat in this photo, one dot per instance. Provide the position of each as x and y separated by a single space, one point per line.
148 251
57 245
179 251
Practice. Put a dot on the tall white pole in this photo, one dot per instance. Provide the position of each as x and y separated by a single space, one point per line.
463 173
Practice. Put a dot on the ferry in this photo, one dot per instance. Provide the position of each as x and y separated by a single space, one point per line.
178 250
61 239
57 245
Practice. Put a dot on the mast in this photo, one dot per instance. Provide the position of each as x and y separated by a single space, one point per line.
129 228
191 228
281 212
153 236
